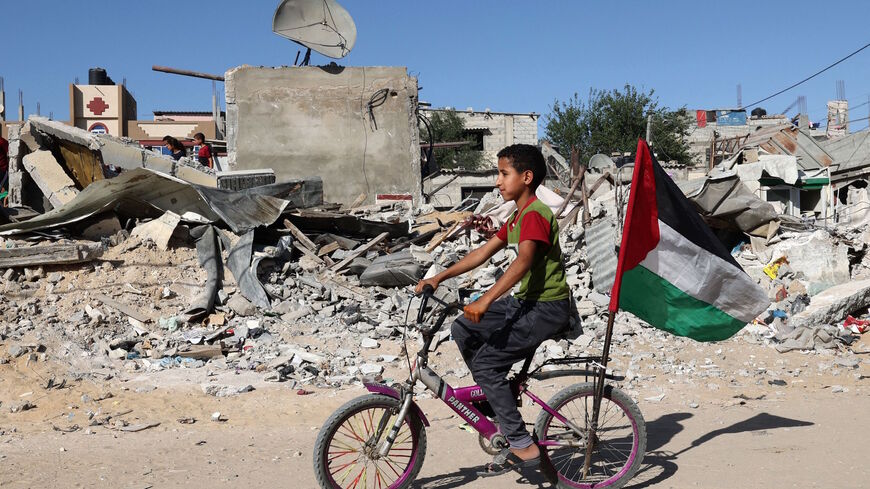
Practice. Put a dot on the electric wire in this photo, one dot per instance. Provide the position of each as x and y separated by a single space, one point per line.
853 53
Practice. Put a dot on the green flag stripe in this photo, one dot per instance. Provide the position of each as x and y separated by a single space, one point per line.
658 302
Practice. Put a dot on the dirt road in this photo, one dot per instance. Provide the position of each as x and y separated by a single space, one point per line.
800 435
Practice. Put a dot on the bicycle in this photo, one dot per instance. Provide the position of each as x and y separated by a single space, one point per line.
351 450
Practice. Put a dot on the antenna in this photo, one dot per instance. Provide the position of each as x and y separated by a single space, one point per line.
841 90
739 96
320 25
37 109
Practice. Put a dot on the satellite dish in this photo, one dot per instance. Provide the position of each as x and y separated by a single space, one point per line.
600 161
320 25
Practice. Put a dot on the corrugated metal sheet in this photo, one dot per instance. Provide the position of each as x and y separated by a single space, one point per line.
145 189
601 243
787 139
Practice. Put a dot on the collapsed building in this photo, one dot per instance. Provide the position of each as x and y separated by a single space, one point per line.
323 215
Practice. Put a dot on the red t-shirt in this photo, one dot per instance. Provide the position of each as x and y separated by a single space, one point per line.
4 156
534 227
203 155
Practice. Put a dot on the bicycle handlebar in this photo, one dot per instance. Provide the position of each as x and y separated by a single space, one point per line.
427 294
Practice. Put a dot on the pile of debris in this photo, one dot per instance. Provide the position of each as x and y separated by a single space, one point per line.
131 272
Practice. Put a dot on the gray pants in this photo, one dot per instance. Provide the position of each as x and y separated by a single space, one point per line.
510 331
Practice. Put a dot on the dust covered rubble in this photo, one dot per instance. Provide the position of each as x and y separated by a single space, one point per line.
325 328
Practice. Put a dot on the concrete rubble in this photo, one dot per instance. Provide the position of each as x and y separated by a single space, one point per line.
298 298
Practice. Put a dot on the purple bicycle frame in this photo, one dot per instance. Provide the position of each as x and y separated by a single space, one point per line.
459 400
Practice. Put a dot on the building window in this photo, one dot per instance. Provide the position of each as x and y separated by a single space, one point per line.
475 135
476 192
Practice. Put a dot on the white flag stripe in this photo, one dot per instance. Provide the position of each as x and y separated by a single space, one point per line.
705 276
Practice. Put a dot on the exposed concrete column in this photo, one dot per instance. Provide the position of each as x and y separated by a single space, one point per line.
509 130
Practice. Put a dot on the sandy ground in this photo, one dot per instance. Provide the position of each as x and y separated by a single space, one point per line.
801 435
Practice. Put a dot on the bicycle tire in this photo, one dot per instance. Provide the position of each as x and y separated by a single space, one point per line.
616 406
412 431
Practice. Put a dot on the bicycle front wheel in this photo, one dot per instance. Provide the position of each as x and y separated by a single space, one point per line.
619 444
345 453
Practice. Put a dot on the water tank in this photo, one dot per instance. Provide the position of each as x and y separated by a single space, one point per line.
98 76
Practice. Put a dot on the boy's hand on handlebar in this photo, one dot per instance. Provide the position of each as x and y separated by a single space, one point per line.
431 282
474 311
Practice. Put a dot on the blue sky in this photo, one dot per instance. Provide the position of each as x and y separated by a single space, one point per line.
506 55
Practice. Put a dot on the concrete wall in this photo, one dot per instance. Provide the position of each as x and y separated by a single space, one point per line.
314 121
502 129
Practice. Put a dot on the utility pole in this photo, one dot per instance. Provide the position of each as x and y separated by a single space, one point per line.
2 100
649 129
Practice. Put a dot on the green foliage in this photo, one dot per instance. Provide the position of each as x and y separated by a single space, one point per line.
613 120
448 127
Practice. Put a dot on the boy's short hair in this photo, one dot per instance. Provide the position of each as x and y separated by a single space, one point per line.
199 136
525 157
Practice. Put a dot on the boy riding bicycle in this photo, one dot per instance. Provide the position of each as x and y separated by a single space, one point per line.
495 332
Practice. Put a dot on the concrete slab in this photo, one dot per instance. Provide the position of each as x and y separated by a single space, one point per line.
832 305
48 175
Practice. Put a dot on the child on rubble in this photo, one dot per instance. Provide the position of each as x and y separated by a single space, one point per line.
204 155
175 147
495 332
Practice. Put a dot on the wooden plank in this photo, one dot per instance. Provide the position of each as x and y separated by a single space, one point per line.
299 235
50 255
440 239
359 251
328 248
121 307
305 251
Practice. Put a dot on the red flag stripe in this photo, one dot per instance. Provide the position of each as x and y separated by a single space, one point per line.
640 233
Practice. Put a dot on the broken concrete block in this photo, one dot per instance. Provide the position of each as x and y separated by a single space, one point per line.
359 265
48 175
394 270
192 175
371 369
241 306
159 230
834 304
817 259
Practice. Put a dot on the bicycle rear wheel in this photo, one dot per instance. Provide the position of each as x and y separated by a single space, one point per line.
345 456
620 441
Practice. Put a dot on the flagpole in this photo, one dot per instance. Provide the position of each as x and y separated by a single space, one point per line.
599 393
636 184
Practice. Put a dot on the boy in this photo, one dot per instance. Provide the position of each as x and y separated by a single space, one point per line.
204 155
494 333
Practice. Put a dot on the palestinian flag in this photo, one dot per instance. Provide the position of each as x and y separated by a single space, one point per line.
673 272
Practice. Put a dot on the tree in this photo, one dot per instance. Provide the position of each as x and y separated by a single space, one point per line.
448 127
613 121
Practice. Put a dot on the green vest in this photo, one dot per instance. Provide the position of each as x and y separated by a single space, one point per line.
545 280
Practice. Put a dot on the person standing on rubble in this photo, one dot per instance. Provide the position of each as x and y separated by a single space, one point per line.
498 329
175 147
204 154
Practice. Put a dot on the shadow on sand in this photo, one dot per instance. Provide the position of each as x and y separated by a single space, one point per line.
658 465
